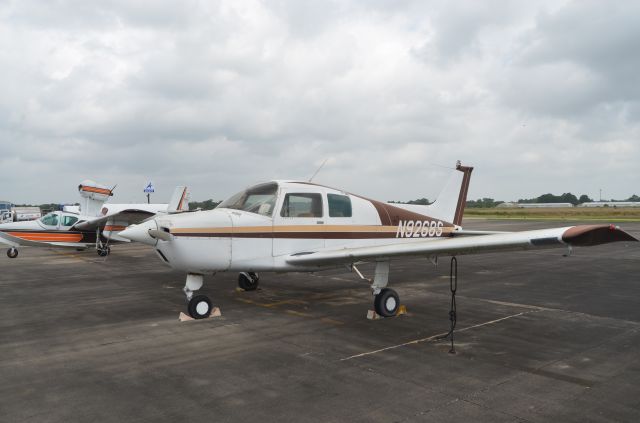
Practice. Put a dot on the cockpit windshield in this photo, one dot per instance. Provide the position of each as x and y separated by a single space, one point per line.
259 199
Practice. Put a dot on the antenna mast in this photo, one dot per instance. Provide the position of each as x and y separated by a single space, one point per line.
316 172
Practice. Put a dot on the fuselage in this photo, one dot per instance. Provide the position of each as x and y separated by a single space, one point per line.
55 227
257 229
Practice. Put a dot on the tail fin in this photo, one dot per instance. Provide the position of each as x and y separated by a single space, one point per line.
179 200
92 197
449 206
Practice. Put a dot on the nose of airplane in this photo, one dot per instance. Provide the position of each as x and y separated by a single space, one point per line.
140 232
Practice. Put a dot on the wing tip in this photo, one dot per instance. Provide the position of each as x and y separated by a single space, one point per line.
587 235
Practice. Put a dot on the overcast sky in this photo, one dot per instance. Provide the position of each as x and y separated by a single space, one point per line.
537 96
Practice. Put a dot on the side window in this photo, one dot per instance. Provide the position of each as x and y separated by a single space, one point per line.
339 205
302 205
69 220
50 220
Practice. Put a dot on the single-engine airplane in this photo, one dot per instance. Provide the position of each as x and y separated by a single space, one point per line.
98 224
289 226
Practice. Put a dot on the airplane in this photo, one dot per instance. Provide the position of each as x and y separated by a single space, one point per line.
98 224
295 226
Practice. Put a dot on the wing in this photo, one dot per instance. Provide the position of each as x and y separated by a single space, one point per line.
583 235
130 216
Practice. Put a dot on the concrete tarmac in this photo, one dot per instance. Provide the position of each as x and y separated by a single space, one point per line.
540 337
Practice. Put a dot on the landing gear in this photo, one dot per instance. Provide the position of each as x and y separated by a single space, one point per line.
199 307
12 252
102 249
248 281
386 303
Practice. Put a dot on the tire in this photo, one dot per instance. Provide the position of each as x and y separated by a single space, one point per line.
12 252
248 281
199 307
387 302
102 252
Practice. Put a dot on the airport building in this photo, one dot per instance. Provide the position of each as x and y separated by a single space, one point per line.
534 205
611 204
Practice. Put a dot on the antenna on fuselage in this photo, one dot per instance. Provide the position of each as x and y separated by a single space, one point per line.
318 170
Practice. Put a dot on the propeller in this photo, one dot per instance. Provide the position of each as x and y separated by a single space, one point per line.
162 234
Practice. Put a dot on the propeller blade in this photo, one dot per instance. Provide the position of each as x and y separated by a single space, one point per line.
159 234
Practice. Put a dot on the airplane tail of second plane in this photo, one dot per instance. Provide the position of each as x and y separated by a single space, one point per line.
179 200
92 197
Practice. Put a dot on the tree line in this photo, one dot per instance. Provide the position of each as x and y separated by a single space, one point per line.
567 197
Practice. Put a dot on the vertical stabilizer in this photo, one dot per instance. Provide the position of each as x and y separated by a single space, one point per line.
92 197
449 206
179 200
464 189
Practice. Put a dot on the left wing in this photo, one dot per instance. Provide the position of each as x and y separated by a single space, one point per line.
582 235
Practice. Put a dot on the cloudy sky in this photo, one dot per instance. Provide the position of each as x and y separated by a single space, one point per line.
537 96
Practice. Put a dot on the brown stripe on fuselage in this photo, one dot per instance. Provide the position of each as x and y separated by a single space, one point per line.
117 228
301 231
47 237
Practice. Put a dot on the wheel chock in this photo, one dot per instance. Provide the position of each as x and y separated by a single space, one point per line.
372 315
186 318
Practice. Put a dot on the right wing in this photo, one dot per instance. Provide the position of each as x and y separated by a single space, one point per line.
582 235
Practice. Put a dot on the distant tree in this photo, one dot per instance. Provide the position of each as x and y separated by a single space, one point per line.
420 201
584 199
633 198
567 197
483 203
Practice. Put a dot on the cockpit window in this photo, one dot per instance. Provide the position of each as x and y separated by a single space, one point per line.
302 205
50 220
69 220
258 199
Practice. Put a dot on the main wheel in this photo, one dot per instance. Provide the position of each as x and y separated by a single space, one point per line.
387 302
12 252
105 251
248 281
199 307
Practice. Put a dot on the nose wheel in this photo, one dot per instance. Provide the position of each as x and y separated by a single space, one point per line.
199 307
12 252
248 281
386 302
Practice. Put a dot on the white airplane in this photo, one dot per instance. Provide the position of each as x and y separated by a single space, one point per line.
98 224
289 226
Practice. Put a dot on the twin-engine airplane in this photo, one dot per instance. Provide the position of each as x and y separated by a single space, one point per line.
287 226
98 224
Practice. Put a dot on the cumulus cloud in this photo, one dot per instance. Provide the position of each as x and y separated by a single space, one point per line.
538 97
